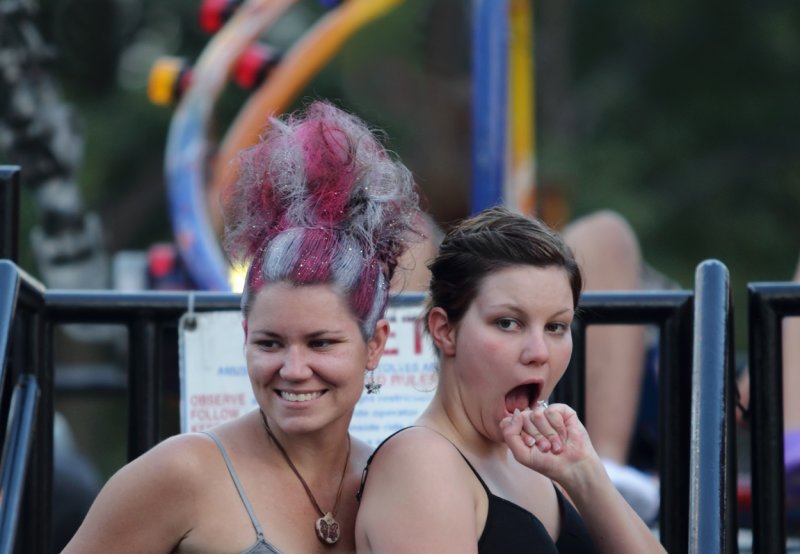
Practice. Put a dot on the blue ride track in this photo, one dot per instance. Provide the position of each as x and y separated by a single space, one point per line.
489 101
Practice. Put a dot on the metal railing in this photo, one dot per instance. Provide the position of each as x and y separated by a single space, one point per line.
695 402
9 211
671 312
15 458
712 481
29 314
768 304
26 424
30 329
147 315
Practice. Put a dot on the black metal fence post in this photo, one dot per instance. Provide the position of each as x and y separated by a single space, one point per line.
144 391
712 512
31 362
15 467
9 290
572 387
22 327
38 489
9 212
768 304
674 390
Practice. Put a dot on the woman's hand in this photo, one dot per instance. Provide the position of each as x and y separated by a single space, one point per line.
550 440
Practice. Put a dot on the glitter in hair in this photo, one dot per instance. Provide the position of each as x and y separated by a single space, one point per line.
324 202
347 264
279 254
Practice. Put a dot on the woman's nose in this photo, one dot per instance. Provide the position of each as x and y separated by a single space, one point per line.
535 350
295 365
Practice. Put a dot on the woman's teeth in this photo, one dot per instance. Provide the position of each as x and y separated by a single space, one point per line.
302 397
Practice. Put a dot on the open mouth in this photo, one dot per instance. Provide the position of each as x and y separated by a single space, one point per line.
523 397
299 396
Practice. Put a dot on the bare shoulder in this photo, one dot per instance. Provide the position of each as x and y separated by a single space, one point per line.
419 480
416 455
149 503
175 462
179 462
415 444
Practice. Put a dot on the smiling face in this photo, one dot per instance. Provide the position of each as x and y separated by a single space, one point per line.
306 356
512 345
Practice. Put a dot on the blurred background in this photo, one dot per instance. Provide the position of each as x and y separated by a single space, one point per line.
682 116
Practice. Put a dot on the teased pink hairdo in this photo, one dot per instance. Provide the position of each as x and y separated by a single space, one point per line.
319 200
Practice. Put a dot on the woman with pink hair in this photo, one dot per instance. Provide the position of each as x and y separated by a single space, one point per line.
321 212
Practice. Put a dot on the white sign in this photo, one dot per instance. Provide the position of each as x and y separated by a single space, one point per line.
215 387
214 383
408 377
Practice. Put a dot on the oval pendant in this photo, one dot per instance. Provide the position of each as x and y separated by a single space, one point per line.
328 529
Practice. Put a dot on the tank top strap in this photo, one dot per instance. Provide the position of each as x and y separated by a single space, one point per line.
238 484
365 472
384 441
474 471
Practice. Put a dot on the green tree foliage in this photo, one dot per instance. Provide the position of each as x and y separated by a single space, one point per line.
685 119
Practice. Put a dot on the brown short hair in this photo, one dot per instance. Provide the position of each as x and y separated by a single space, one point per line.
494 239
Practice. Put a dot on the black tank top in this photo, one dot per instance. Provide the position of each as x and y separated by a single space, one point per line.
511 529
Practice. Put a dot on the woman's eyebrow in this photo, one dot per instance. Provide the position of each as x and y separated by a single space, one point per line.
264 333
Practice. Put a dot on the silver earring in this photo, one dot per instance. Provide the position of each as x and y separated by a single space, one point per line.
371 386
